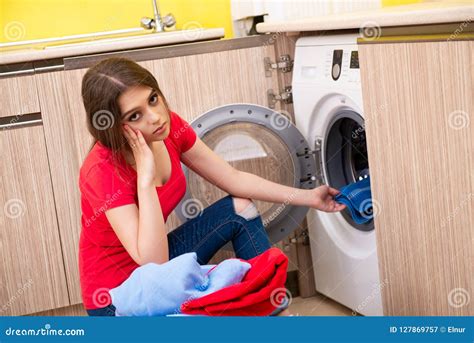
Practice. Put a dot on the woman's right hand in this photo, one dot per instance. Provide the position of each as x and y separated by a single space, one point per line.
144 158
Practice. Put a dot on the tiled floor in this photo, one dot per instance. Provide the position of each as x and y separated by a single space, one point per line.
318 305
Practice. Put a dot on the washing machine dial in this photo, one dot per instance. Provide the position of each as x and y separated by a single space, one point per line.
336 71
336 64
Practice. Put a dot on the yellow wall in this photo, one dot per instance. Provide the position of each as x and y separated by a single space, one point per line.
398 2
35 19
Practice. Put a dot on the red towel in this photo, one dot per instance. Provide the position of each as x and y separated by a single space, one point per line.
258 294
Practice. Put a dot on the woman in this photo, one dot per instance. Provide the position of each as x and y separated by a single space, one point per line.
132 180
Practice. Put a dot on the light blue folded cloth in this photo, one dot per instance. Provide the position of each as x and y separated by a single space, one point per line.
358 199
160 289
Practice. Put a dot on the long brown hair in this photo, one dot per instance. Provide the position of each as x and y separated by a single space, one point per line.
102 85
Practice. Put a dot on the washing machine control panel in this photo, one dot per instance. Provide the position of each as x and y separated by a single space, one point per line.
325 65
342 64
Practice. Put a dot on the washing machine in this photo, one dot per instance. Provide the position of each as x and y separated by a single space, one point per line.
327 100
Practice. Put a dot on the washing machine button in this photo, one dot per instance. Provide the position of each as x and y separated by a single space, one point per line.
336 71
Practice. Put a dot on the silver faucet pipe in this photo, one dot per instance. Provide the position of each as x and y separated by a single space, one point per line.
158 22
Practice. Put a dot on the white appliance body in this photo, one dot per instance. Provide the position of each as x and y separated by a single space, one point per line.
344 258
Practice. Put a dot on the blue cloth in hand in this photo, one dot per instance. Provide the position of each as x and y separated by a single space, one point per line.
160 289
358 199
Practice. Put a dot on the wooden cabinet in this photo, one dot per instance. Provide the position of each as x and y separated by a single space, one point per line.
18 96
68 142
32 268
419 105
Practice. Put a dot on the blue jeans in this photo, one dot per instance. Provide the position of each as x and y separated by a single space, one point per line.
205 234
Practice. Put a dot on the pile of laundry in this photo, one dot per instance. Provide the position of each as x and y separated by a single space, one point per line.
182 286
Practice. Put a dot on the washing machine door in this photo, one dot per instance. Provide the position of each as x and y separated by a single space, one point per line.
261 141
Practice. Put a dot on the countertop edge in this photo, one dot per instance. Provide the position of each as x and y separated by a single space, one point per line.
114 45
405 16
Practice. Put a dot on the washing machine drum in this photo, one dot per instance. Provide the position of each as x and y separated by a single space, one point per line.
257 140
345 157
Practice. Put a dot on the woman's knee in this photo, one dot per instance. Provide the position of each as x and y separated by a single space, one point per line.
245 208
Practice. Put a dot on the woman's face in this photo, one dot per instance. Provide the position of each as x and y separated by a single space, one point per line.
143 109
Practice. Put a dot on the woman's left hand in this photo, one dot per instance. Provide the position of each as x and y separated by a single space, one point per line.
323 199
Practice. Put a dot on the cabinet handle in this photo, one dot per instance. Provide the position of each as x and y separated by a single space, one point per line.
21 120
16 69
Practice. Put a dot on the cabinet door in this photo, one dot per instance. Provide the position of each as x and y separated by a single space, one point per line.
18 96
68 143
418 104
32 269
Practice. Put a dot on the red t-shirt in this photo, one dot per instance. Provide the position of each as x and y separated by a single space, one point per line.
103 261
